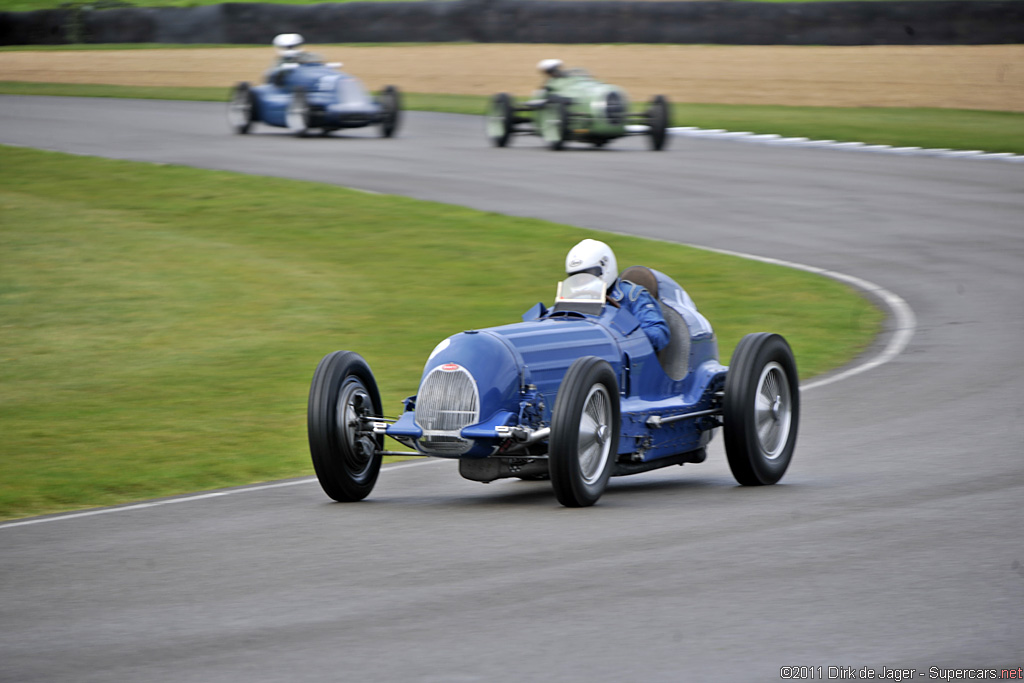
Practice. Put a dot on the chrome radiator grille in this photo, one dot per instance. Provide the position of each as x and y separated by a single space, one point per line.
616 109
448 401
350 91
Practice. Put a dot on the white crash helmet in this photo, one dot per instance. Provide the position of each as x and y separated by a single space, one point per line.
548 66
595 257
288 44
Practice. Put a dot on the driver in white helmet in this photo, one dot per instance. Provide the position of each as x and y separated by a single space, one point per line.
289 52
552 69
597 258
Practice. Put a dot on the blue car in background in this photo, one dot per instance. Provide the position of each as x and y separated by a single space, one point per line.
575 394
313 95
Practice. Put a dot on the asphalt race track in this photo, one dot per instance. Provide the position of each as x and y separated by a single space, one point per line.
895 540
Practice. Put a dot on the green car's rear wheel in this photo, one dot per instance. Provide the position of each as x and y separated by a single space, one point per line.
659 115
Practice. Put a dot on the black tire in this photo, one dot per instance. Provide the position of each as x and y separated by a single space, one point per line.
500 120
761 409
584 432
659 115
298 116
391 101
346 456
241 108
554 123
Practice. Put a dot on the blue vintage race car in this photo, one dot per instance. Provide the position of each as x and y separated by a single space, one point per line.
311 95
574 393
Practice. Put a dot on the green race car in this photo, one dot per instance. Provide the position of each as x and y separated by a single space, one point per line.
573 105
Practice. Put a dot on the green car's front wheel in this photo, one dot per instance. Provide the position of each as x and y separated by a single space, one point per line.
500 120
554 122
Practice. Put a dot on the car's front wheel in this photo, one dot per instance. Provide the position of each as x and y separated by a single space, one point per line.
241 108
761 409
298 115
554 122
500 120
391 102
584 432
343 397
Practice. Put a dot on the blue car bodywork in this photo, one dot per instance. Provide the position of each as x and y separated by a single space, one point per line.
516 371
312 95
575 394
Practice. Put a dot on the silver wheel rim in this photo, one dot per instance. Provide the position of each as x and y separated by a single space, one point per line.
773 410
295 117
240 110
348 426
594 442
496 123
615 109
551 124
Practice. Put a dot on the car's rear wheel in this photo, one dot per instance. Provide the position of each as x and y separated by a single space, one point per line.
346 453
391 102
500 120
242 108
554 122
584 432
761 409
659 115
298 115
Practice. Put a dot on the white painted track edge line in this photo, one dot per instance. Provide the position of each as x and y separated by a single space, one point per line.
191 498
903 325
903 330
777 140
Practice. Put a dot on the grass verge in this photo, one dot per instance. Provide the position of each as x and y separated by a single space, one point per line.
991 131
161 323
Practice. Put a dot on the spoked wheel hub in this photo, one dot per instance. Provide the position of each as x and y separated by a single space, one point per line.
343 402
761 409
584 432
593 436
773 410
353 406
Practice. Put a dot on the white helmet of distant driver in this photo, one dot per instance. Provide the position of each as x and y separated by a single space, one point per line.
548 66
288 44
594 257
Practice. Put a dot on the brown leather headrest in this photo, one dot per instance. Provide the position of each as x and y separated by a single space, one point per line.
641 275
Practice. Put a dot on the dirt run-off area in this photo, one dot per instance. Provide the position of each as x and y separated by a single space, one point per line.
966 77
